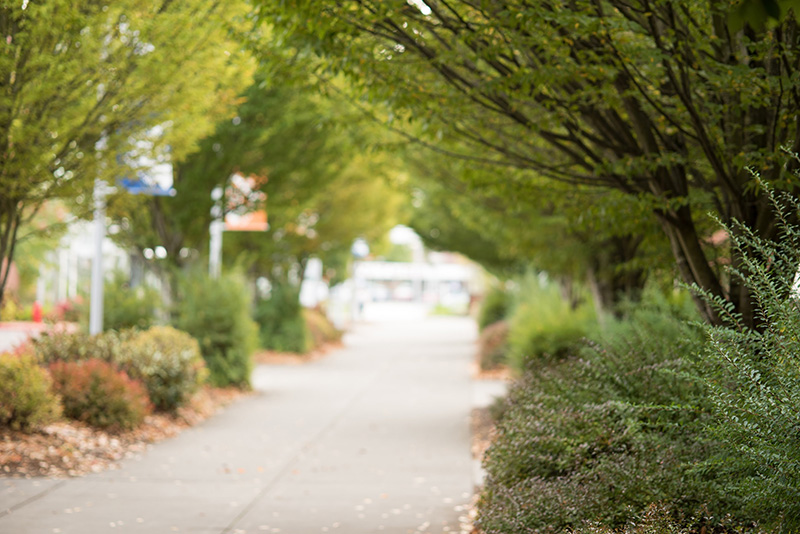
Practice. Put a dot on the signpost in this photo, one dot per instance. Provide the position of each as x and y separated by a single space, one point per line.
101 189
235 209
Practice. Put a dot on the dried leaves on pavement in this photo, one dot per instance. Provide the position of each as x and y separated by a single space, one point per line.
68 448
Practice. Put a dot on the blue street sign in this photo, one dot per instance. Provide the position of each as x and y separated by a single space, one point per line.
140 187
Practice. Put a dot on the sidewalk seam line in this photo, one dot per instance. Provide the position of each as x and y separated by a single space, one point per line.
293 460
29 500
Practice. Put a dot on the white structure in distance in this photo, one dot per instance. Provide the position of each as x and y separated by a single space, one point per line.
431 279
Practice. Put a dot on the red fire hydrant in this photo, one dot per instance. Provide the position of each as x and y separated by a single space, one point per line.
37 312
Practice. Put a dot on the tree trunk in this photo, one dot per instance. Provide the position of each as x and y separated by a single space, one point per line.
611 278
10 218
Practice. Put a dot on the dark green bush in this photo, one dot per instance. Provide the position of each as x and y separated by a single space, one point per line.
603 436
544 326
128 307
25 398
217 314
282 326
99 394
657 519
167 361
493 346
494 307
321 330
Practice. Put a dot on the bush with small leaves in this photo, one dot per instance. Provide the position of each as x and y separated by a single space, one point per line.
493 346
26 401
55 346
281 324
128 307
320 328
167 361
495 307
603 435
217 314
544 326
752 372
99 394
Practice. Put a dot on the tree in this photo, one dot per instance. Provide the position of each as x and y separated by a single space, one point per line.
576 236
657 99
758 13
90 87
358 201
323 189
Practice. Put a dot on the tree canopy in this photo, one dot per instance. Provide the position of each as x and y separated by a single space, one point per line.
658 99
90 88
322 187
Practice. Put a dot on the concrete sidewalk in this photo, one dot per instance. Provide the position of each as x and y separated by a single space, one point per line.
373 438
14 333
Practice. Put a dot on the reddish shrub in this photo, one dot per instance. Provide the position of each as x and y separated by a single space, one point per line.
493 346
97 393
320 328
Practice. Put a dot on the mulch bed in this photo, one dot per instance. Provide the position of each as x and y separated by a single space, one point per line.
71 449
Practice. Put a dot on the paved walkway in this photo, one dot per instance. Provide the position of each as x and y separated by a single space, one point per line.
373 438
16 332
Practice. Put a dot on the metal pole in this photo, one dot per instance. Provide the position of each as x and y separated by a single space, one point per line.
96 301
215 250
354 302
215 231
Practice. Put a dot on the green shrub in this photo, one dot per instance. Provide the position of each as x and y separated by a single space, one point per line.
99 394
25 398
544 326
282 326
167 361
9 310
217 314
128 307
655 520
493 346
64 346
494 307
753 375
602 436
320 328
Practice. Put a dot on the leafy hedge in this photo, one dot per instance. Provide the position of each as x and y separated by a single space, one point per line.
495 306
26 399
99 394
543 326
79 346
128 307
321 330
217 314
168 362
282 326
752 373
601 437
493 346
